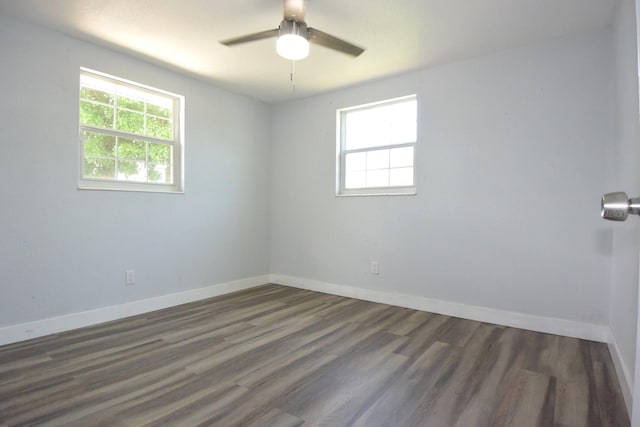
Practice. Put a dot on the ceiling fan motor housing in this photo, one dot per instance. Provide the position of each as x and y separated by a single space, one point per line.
289 26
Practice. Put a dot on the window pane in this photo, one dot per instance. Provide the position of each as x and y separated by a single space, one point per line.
401 157
97 144
356 180
132 149
96 95
132 170
98 115
402 129
158 127
378 178
97 83
160 174
131 104
356 162
99 168
159 111
359 134
160 153
378 159
130 121
401 177
377 126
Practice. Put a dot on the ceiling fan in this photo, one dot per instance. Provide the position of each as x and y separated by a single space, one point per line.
293 35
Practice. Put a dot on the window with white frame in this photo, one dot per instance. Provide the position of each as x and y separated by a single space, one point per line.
376 148
130 136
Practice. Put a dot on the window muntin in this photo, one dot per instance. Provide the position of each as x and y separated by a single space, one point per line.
376 148
130 136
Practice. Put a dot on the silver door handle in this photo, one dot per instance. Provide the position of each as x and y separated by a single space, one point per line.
617 206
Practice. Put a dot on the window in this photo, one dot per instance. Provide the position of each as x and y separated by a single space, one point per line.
130 136
376 148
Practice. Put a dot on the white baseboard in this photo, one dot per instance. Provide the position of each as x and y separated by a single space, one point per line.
38 328
531 322
622 371
569 328
600 333
556 326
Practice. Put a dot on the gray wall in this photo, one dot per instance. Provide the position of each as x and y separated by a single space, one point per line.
64 250
510 172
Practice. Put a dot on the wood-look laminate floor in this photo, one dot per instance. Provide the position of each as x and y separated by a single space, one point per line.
278 356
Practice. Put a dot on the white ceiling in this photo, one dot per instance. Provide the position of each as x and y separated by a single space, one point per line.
399 35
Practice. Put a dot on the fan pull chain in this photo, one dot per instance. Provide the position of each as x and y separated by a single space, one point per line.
292 77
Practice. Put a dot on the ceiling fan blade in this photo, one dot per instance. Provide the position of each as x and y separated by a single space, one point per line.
294 10
327 40
250 37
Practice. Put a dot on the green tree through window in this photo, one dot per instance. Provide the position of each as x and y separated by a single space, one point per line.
127 133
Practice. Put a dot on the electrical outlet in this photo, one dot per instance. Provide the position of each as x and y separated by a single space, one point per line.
130 277
374 267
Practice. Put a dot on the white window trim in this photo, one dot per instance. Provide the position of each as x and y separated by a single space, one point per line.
341 154
178 142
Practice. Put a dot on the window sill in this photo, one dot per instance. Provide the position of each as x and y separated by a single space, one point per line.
129 188
411 191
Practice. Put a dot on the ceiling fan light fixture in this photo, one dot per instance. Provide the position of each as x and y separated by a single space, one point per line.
293 40
292 46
